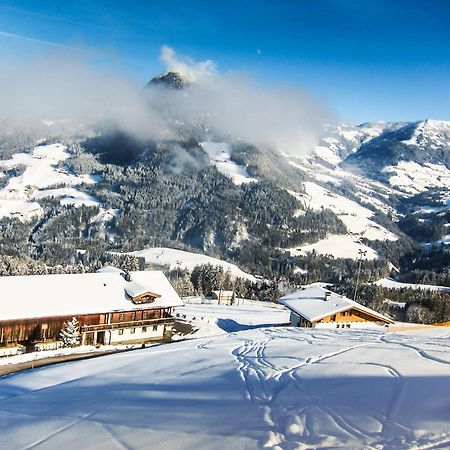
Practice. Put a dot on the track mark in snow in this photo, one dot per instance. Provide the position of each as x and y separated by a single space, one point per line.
265 383
419 351
64 427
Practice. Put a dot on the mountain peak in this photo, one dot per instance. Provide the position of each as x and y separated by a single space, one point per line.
174 80
430 133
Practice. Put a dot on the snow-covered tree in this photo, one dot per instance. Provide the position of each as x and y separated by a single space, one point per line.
70 334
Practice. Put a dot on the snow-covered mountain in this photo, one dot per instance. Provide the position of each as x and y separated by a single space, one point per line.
380 188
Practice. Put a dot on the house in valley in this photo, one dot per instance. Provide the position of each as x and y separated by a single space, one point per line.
318 307
112 307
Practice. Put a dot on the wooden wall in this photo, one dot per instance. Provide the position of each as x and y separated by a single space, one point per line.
352 315
27 331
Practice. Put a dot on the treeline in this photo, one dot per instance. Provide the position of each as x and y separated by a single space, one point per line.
87 263
206 278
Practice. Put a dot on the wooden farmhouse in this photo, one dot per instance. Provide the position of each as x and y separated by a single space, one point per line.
318 307
112 307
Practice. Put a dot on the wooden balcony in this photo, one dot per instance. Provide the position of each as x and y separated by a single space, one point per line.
129 324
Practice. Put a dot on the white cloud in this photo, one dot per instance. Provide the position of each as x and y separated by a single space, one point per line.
193 71
69 93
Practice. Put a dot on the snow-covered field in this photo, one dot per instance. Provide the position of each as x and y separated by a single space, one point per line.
392 284
280 388
41 171
356 218
164 256
413 178
210 318
337 245
220 155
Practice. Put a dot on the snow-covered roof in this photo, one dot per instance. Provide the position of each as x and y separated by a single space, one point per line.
34 296
135 289
311 304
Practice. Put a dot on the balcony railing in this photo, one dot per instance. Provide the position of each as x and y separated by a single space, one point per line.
133 323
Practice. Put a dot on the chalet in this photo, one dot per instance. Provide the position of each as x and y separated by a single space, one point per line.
112 307
318 307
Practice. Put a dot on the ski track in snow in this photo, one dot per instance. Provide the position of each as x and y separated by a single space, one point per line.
290 428
265 382
304 389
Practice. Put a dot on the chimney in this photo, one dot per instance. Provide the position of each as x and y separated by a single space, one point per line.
127 276
327 295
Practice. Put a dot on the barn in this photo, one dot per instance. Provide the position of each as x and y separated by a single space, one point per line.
318 307
222 296
112 307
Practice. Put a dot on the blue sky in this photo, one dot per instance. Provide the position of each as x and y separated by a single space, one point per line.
367 60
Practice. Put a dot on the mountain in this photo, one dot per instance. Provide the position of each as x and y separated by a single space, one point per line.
379 188
169 79
425 143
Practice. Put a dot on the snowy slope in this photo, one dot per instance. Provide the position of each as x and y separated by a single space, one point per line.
220 156
163 256
41 171
392 284
356 218
337 245
343 139
430 134
413 178
70 196
212 318
279 388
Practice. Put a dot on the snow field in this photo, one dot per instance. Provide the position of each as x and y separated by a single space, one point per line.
392 284
162 256
18 197
220 155
337 245
355 217
414 178
262 388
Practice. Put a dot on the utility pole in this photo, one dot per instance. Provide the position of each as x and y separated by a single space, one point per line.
178 266
361 253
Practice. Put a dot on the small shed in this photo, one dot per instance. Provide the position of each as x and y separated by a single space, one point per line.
223 296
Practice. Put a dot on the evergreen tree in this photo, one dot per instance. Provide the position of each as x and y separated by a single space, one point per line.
70 334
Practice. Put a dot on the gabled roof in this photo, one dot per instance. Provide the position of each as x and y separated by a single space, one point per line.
135 289
310 303
32 296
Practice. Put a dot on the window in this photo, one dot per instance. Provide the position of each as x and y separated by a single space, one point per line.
348 325
333 318
144 314
133 315
120 332
155 327
121 316
144 329
133 330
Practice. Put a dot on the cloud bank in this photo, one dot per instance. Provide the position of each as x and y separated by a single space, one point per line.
68 93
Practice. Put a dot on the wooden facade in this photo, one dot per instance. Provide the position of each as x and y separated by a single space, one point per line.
344 319
94 328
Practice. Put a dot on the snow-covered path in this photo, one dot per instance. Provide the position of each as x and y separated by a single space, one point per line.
268 387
